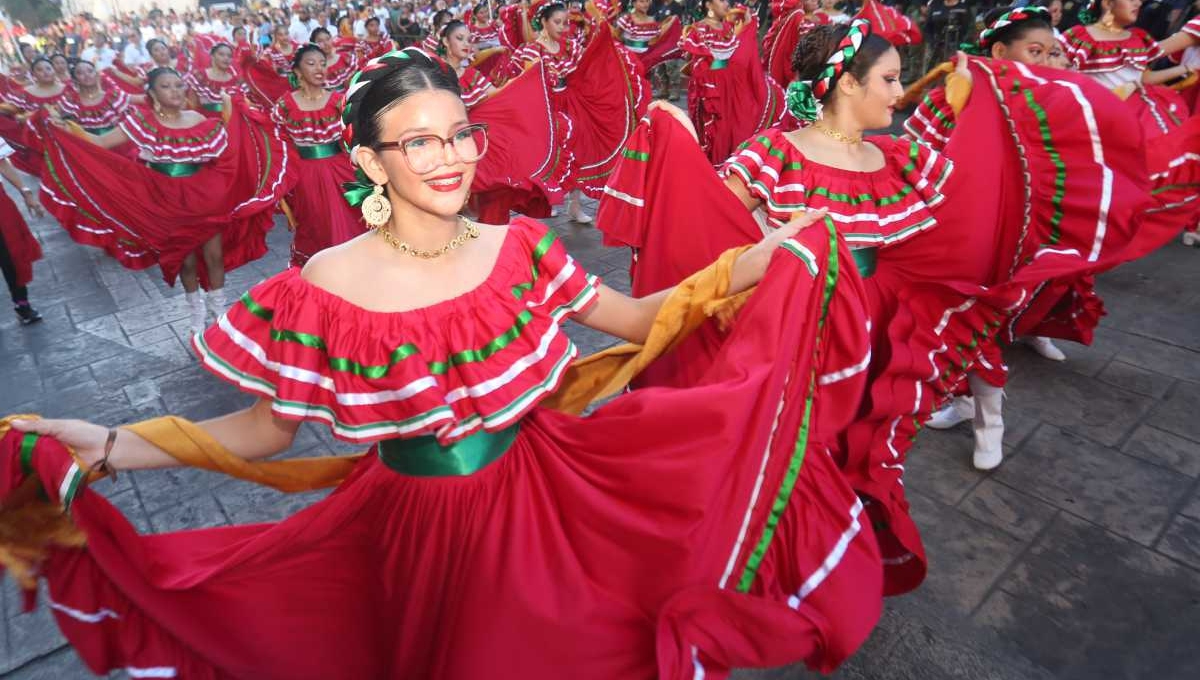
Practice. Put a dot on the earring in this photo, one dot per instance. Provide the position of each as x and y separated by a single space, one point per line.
376 210
711 15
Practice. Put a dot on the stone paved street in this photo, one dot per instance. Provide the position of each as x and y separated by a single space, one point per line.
1079 558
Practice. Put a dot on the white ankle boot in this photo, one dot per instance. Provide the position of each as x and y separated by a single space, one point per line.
989 423
196 312
959 410
1044 347
575 208
216 302
1192 238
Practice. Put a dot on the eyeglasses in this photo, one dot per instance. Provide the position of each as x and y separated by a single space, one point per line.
427 152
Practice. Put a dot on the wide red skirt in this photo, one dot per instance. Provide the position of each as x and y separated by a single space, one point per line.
323 218
728 105
89 188
670 534
22 247
526 164
604 98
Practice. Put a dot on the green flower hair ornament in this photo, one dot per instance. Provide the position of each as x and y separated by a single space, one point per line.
804 97
357 191
293 81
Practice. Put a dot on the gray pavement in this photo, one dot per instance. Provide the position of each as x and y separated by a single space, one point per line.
1079 558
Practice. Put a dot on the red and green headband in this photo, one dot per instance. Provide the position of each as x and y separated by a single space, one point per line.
804 96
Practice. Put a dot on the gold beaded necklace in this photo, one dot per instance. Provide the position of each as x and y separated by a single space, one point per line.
472 232
839 136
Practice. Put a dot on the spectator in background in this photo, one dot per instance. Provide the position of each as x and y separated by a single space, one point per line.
134 54
100 53
301 27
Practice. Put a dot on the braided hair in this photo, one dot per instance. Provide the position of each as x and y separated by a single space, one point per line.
383 83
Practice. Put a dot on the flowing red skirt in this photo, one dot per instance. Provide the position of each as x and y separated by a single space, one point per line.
88 188
672 533
730 104
266 86
27 157
1046 189
323 218
22 247
779 45
664 49
526 163
604 99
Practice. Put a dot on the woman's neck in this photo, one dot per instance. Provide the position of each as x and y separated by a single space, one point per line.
89 90
419 229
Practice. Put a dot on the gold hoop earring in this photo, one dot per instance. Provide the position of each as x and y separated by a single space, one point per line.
376 209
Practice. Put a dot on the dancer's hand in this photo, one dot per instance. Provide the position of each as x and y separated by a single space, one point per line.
752 264
676 113
86 439
31 203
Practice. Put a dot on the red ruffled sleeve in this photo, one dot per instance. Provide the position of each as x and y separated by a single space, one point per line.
478 361
933 120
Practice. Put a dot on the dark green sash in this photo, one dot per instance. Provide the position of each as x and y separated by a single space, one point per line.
718 64
864 259
633 44
176 169
212 106
319 151
425 457
100 130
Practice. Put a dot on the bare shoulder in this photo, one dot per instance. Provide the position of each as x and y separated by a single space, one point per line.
333 267
191 118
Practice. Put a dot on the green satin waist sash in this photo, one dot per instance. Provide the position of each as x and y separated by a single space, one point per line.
425 457
864 259
176 169
212 106
637 44
718 64
100 130
319 151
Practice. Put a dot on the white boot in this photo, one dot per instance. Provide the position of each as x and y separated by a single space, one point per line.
196 311
216 302
575 208
1192 238
1044 347
959 410
989 423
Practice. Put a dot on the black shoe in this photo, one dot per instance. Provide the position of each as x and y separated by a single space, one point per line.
27 314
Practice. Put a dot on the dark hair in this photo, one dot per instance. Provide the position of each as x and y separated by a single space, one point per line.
478 6
442 14
449 28
59 55
156 73
37 60
312 37
547 10
299 55
369 20
386 87
1014 31
213 50
238 28
150 44
816 46
76 64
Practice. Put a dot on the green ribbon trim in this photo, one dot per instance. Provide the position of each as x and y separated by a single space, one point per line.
643 156
718 64
865 259
637 43
425 457
212 106
28 441
316 152
100 130
176 169
754 561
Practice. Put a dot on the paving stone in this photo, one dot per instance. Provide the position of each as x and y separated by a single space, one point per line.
965 555
194 513
1136 380
1073 402
62 664
1159 446
29 635
1182 541
142 392
1162 358
74 378
104 327
1129 497
166 488
92 306
1017 514
74 351
1178 412
1084 604
246 503
939 464
144 317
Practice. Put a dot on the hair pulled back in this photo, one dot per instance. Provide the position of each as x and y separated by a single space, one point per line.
816 46
386 82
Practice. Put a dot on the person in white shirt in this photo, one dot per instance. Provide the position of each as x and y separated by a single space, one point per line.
148 32
134 54
301 27
99 53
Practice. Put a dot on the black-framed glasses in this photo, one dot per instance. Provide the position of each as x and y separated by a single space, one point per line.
427 152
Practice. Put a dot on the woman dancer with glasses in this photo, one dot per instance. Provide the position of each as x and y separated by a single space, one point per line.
209 187
615 545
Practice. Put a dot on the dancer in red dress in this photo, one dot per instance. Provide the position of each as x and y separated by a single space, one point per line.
310 117
653 42
90 104
18 247
729 95
597 87
792 19
947 257
431 41
339 66
523 170
669 535
45 90
375 43
132 79
207 188
281 50
210 85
